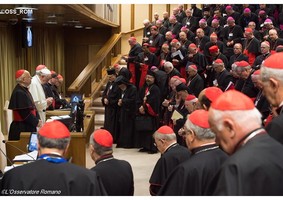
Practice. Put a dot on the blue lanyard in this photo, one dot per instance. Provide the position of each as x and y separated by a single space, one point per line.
52 158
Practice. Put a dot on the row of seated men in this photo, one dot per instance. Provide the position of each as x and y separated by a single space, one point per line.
169 40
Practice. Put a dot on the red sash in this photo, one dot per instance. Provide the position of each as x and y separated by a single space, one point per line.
183 72
143 69
152 49
251 56
132 69
17 117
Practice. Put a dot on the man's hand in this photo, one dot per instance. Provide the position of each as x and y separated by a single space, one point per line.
120 102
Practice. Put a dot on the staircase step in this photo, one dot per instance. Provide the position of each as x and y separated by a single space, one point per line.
99 120
97 102
97 109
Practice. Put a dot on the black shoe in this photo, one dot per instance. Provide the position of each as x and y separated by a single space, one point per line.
152 152
143 150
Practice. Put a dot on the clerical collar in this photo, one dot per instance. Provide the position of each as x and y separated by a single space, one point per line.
204 148
53 158
170 147
249 136
279 110
104 158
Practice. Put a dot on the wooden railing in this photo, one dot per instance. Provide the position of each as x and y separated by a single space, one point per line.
95 67
108 55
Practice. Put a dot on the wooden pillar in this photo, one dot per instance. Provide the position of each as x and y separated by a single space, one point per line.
150 7
168 8
132 16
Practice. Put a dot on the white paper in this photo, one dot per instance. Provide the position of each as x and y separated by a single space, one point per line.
26 157
176 115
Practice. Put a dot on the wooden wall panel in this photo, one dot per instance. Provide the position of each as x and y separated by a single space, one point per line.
79 50
126 17
141 13
159 8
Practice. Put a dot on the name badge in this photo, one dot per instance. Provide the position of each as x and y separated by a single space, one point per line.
150 41
146 59
230 34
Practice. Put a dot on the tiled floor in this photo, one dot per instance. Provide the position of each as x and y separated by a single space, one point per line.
142 165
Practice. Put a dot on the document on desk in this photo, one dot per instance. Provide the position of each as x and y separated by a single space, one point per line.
32 156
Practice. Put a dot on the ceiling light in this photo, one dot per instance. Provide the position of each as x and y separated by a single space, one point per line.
51 16
51 22
29 19
73 21
78 26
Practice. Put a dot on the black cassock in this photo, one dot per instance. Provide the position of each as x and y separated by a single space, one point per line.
223 79
63 179
255 169
171 158
152 109
25 115
193 176
126 117
275 127
248 88
112 92
116 176
195 85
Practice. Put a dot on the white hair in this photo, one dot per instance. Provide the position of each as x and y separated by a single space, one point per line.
20 79
146 21
168 64
266 73
167 137
245 118
201 133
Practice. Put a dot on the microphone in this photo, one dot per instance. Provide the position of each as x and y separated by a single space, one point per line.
5 142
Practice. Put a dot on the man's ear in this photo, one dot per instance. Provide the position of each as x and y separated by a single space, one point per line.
230 127
274 84
66 150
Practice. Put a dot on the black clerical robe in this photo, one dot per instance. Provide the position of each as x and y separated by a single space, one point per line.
25 114
195 85
47 87
116 176
248 88
223 79
126 117
169 160
112 93
152 109
251 49
193 176
125 72
133 67
234 33
46 178
255 169
275 127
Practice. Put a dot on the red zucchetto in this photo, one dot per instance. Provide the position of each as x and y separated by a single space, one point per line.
199 118
233 100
